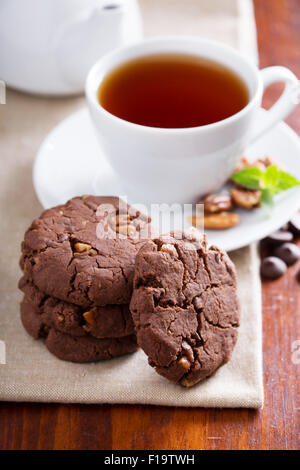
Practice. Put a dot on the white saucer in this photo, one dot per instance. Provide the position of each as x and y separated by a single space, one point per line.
70 163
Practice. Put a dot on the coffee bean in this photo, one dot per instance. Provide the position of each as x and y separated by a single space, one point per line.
279 237
288 252
272 267
294 225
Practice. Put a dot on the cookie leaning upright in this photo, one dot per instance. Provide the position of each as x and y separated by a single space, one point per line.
185 307
79 252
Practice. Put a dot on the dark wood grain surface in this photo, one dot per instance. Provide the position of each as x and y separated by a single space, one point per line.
42 426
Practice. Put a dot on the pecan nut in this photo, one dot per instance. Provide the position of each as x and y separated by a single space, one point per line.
184 362
81 247
261 163
221 221
84 248
246 198
90 316
215 203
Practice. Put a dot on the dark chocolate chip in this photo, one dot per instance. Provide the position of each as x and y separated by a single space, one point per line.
294 225
298 276
272 267
288 252
279 237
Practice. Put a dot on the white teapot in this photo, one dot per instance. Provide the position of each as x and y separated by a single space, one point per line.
48 46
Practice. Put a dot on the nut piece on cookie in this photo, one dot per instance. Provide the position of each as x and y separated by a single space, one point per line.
84 248
215 203
81 247
90 316
246 198
184 362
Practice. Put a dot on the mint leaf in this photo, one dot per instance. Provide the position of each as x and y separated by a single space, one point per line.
250 177
271 178
270 182
286 181
267 199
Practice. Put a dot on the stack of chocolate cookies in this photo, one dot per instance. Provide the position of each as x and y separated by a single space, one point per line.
78 261
92 262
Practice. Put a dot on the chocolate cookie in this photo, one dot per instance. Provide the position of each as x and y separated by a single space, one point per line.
41 312
88 349
83 252
185 307
74 348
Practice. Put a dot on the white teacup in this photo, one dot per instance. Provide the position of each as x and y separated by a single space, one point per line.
160 165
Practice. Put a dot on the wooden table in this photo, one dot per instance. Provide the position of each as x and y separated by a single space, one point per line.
39 426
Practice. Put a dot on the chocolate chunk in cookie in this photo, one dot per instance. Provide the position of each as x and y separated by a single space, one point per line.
185 307
83 252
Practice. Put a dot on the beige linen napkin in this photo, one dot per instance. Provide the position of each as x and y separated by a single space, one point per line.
28 372
230 21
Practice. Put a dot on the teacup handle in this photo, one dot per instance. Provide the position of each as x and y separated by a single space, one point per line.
284 105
